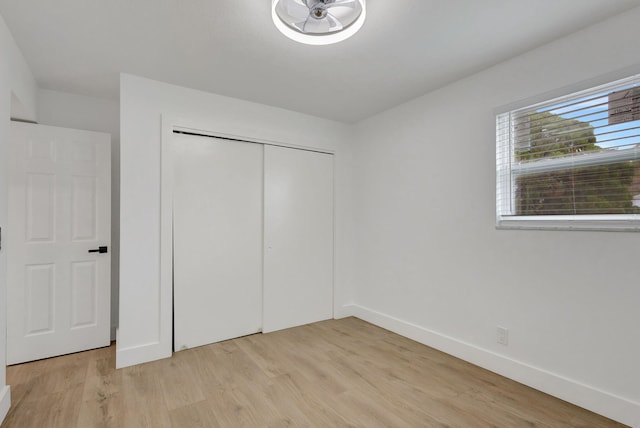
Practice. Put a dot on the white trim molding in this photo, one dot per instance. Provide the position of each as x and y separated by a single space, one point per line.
609 223
586 396
5 402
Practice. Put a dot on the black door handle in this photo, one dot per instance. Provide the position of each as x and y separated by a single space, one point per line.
100 250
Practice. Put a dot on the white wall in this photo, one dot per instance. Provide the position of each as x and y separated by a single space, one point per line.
91 114
17 97
145 307
23 84
431 265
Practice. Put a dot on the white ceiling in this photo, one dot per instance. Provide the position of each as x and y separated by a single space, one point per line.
231 47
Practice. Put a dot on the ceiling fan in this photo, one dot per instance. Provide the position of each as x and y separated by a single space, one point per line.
318 21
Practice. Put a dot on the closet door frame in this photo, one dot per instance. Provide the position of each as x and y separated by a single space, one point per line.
170 126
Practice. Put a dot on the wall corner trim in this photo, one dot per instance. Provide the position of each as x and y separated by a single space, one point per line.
588 397
5 402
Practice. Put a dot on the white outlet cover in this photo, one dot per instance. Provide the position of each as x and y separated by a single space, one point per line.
503 335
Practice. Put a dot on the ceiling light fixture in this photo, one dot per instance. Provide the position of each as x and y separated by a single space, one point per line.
318 22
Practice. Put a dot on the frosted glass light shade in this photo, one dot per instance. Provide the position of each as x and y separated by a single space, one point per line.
292 16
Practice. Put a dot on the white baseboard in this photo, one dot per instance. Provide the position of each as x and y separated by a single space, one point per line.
342 311
5 401
588 397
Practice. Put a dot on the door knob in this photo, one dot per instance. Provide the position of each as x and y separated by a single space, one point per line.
100 250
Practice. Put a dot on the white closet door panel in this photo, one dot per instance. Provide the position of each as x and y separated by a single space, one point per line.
58 294
217 220
298 247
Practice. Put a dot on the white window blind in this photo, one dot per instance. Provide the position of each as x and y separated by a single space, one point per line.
572 162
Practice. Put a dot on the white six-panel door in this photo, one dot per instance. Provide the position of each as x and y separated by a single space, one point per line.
298 237
217 239
58 293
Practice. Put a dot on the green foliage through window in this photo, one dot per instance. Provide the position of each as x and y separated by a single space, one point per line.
599 189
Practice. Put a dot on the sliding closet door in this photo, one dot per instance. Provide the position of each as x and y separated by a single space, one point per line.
217 232
298 237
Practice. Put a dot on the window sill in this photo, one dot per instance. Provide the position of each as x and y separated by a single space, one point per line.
609 223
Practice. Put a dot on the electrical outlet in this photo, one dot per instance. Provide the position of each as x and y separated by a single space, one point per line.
503 336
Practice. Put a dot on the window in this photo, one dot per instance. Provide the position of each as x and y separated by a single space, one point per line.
572 162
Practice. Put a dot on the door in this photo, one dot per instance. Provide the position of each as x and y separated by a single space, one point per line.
217 239
58 290
298 237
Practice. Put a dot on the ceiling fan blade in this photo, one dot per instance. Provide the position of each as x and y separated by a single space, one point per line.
334 24
342 3
311 25
297 10
316 26
301 25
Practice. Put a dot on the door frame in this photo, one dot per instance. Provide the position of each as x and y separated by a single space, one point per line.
174 124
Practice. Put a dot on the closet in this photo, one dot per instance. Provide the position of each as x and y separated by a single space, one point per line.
252 238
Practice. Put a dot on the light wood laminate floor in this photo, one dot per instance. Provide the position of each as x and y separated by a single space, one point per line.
338 373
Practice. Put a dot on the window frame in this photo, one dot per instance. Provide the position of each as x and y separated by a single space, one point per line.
505 188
